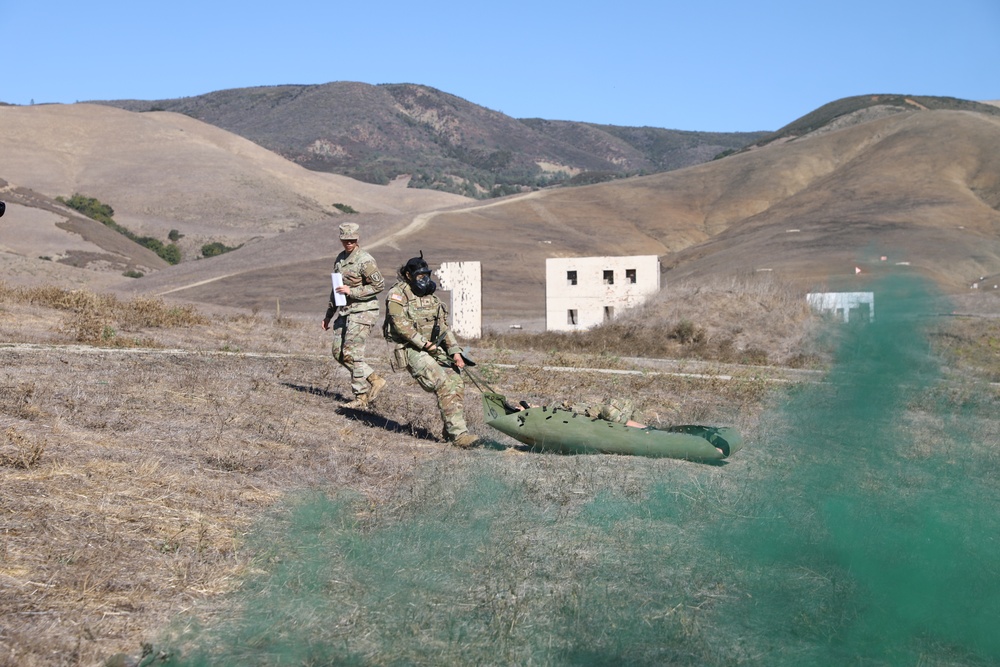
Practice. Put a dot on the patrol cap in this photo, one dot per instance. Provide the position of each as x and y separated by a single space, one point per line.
349 231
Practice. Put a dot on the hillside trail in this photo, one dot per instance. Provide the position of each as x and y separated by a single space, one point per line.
421 219
418 222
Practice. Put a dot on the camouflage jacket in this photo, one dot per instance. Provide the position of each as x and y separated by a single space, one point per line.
618 410
361 274
412 319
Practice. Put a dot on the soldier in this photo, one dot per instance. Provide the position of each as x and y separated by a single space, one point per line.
618 410
417 322
362 282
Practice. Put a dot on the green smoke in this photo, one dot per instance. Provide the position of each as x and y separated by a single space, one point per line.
858 528
879 542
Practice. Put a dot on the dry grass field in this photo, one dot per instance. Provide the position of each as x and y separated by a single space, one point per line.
141 442
157 460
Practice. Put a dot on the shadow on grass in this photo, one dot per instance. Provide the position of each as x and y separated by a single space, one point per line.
497 446
366 417
315 391
375 420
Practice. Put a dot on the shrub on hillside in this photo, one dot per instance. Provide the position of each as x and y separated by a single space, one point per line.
90 207
96 210
215 249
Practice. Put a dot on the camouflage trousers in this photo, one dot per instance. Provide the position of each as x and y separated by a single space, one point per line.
446 384
350 332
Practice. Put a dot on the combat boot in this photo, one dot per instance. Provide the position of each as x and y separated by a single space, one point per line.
377 383
360 402
465 440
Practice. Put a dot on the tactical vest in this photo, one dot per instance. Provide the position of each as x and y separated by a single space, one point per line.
425 312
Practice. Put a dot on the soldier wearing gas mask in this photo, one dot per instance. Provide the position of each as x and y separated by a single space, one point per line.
417 322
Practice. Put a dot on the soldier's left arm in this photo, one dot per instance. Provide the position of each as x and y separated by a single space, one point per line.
372 282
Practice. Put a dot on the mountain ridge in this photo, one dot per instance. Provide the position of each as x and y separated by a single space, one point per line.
378 132
921 187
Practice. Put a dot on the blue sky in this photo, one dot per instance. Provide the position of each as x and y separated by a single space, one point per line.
710 65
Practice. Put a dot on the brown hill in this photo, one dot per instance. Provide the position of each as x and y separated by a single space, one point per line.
41 240
376 133
919 188
165 171
862 108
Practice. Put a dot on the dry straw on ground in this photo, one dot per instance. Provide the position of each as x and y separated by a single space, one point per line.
131 475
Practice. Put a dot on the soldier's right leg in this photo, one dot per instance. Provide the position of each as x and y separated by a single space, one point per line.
339 331
451 400
447 385
342 352
353 354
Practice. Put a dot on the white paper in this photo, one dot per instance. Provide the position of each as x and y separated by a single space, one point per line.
338 298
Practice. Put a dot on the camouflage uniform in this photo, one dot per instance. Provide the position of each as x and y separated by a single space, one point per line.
619 410
412 320
354 321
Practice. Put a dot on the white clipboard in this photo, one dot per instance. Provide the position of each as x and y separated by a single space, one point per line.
338 298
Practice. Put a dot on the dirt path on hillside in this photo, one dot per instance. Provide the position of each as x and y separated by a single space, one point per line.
420 220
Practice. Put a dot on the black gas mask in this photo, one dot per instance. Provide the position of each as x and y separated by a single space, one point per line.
422 285
418 275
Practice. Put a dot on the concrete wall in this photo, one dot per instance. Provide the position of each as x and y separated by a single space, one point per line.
842 304
582 292
465 282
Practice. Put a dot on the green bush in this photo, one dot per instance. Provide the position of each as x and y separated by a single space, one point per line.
95 210
686 332
90 207
215 248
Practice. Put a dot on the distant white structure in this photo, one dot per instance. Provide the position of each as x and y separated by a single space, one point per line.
582 292
465 282
844 304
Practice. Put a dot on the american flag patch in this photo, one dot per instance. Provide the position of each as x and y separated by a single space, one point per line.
396 297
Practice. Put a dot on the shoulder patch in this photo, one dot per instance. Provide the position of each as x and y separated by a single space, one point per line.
396 296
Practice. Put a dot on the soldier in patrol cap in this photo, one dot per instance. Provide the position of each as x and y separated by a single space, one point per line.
352 323
417 322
